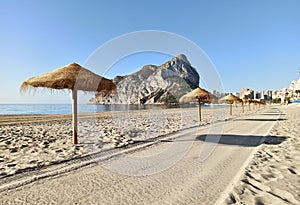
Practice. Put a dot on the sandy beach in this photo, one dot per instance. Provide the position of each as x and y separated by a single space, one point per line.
30 142
272 177
249 164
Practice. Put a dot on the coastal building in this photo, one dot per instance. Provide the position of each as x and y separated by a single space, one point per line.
264 95
267 94
257 95
295 89
218 93
281 94
246 93
275 94
291 93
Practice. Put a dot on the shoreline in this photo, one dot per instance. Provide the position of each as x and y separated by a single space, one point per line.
116 108
25 118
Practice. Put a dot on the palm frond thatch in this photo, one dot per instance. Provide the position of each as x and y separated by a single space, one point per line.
197 94
73 77
230 98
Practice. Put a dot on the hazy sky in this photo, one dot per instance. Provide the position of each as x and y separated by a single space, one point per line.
252 44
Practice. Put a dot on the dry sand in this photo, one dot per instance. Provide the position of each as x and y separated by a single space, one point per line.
189 181
273 176
31 142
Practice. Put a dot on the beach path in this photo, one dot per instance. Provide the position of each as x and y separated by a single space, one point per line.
195 166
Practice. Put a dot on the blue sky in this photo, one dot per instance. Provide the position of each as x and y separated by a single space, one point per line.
252 44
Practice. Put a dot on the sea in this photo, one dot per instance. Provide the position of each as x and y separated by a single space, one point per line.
30 109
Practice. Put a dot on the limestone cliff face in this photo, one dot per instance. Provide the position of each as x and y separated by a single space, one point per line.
153 84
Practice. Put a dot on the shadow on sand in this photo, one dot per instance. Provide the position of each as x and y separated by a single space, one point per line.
257 119
274 114
242 140
238 140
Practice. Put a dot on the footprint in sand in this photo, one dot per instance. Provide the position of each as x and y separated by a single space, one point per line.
257 184
294 170
254 175
268 199
276 172
284 195
269 177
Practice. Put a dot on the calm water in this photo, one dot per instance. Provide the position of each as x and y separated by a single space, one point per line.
12 109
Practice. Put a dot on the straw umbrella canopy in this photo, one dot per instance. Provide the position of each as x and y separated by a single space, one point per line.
72 77
198 94
230 99
248 101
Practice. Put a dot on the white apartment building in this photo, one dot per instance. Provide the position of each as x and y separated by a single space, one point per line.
295 89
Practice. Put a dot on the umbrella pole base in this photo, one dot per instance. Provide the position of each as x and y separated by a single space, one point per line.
74 116
199 111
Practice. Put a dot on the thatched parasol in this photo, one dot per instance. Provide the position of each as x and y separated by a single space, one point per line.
230 99
254 103
249 104
73 77
198 94
248 101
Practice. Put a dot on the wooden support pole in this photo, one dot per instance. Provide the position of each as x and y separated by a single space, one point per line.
199 110
243 109
74 116
230 108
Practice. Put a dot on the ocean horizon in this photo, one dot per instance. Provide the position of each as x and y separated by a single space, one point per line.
31 109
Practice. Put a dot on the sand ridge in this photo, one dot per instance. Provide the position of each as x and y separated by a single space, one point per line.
272 177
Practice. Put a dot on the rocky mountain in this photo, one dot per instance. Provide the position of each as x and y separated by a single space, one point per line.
152 84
